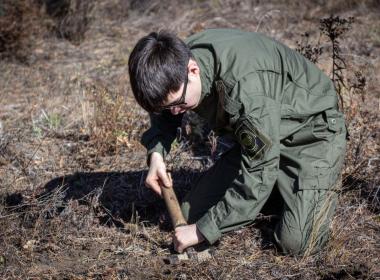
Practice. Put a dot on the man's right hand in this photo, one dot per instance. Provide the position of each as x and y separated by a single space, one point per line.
157 175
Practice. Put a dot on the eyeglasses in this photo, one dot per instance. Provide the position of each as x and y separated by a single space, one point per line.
180 101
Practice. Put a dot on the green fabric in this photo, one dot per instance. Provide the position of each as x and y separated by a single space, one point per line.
219 202
161 134
282 111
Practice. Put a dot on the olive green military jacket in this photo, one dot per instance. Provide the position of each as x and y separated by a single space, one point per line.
261 92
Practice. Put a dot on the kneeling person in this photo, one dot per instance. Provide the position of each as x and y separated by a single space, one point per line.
278 106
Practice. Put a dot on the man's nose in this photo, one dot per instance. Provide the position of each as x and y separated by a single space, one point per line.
175 110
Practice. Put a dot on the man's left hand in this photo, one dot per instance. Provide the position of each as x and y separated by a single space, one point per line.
186 236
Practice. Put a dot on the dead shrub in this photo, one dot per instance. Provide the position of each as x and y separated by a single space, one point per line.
106 119
21 21
114 122
71 18
308 50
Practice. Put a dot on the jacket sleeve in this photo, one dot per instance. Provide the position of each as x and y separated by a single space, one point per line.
257 133
161 134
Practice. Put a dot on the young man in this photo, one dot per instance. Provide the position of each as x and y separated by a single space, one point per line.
279 107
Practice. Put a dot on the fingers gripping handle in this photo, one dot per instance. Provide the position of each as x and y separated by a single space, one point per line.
172 205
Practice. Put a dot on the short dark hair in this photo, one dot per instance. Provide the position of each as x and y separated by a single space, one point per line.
157 66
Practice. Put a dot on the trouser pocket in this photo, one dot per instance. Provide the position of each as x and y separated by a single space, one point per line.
326 181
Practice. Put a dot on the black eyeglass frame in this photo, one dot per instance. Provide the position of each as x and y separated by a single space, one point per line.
181 100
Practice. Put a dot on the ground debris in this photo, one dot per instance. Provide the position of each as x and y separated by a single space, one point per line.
73 204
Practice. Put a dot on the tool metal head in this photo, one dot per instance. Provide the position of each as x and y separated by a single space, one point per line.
190 255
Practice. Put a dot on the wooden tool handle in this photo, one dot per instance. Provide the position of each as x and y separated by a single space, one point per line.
172 205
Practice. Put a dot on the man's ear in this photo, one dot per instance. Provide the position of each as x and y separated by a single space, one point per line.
193 67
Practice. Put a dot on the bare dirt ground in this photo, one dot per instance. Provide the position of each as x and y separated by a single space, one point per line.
72 199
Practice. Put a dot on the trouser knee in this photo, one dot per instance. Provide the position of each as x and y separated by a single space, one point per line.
298 243
290 244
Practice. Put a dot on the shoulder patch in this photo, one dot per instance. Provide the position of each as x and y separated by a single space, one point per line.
253 142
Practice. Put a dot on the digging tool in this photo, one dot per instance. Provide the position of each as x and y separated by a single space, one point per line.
178 220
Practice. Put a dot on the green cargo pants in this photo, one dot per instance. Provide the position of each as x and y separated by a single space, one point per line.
308 180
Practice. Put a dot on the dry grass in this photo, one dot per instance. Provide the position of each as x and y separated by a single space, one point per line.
72 200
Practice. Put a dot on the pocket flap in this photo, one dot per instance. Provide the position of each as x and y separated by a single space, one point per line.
314 183
318 182
335 120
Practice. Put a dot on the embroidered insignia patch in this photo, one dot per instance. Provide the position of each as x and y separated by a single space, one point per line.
252 141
